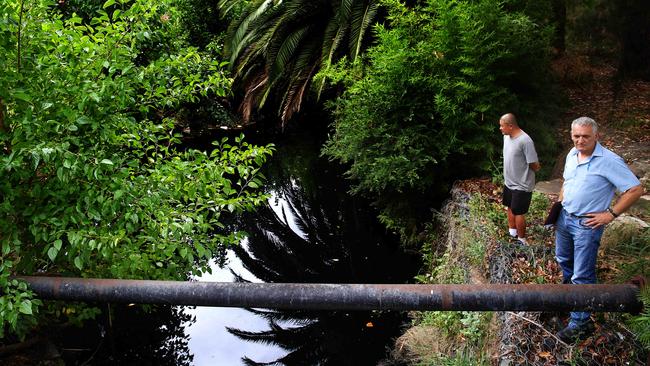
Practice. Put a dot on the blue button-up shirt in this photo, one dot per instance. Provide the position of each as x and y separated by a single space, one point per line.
589 186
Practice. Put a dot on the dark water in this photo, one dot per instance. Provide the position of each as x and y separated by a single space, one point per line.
311 231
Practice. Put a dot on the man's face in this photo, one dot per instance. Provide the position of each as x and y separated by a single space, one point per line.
584 139
505 127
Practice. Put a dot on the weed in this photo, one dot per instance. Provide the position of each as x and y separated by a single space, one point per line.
461 358
629 123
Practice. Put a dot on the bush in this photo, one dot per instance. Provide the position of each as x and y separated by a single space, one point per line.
90 186
427 109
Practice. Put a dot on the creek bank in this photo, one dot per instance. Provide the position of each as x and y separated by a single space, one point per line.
471 246
473 221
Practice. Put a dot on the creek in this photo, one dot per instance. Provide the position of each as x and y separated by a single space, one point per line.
311 231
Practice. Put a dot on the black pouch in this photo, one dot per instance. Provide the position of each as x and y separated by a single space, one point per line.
553 214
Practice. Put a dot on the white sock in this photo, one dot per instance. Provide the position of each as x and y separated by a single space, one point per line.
523 240
513 232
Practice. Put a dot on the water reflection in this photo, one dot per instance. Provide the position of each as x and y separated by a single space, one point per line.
129 336
210 341
313 232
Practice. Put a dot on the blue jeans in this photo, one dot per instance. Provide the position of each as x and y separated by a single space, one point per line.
576 248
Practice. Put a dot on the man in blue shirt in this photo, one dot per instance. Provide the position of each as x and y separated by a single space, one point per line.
591 175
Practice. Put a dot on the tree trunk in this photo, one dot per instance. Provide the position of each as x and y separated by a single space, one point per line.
559 15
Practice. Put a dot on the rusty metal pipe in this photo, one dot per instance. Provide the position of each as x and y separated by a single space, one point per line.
491 297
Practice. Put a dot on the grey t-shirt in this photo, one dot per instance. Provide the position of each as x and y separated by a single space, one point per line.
518 152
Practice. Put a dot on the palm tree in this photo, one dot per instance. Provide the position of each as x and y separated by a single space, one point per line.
277 46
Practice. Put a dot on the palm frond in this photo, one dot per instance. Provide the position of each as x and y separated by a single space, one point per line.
335 31
268 43
245 32
362 15
295 94
287 50
251 92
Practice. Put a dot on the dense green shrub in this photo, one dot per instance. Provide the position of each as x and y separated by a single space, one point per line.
91 187
426 110
203 22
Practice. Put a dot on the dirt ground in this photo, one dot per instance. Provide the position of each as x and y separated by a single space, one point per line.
621 108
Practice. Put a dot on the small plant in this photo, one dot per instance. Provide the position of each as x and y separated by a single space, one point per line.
470 326
17 306
641 324
496 170
638 248
538 206
462 358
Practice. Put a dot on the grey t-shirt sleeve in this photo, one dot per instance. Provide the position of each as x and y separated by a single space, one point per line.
529 150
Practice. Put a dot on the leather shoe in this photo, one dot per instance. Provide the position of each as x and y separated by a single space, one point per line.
574 333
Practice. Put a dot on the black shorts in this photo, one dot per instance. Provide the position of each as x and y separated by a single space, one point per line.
518 201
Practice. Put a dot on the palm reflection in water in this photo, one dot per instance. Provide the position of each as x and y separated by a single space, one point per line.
312 231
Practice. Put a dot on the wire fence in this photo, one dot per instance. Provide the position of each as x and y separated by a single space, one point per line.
528 338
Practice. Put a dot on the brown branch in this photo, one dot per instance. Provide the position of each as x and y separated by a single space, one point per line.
540 327
17 347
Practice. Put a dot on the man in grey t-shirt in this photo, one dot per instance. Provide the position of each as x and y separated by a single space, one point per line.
519 166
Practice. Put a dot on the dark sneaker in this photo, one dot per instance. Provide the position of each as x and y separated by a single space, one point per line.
574 333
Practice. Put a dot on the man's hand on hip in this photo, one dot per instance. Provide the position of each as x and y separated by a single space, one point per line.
598 219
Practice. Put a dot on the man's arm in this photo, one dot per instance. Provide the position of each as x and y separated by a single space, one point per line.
624 202
627 199
535 166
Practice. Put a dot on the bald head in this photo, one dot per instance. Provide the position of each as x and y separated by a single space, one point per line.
509 118
508 125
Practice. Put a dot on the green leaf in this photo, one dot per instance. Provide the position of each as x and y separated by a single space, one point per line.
58 244
108 3
107 162
78 263
200 250
83 120
52 253
26 307
22 95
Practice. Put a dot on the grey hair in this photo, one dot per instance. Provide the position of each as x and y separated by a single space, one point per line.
585 121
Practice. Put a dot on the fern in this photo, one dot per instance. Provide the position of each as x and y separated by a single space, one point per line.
640 324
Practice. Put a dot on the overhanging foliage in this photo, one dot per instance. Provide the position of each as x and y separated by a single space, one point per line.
92 182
